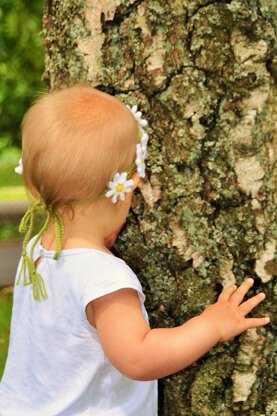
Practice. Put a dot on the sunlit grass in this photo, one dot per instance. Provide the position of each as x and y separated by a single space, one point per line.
12 193
8 161
5 318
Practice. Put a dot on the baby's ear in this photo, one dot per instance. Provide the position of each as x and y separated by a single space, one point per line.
135 177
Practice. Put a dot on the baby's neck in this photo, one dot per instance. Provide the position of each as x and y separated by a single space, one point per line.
92 226
74 238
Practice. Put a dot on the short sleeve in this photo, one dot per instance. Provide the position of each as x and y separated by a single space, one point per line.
108 278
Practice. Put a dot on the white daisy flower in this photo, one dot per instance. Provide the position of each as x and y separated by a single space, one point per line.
19 168
119 186
137 114
141 156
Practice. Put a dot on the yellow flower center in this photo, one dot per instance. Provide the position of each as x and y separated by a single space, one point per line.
119 187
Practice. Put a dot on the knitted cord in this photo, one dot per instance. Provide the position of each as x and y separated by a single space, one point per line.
28 264
59 231
131 170
133 167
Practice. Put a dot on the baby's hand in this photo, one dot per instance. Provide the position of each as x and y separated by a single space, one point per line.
228 313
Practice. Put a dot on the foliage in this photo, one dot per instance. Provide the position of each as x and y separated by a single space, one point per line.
8 177
21 64
5 317
9 231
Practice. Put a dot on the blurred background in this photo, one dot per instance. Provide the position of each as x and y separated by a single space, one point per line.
21 69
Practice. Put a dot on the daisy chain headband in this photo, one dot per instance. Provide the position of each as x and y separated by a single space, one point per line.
116 189
120 184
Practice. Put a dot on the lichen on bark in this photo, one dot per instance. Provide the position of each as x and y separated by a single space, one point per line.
204 74
63 25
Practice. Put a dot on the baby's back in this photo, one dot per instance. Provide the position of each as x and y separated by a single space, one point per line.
56 364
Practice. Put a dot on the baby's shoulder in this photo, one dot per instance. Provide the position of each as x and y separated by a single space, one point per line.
107 264
98 265
101 274
101 260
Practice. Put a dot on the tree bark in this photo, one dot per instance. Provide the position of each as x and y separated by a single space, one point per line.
204 75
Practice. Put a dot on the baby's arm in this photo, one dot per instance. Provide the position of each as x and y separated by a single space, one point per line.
143 353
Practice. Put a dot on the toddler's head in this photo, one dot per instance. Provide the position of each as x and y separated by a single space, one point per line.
74 141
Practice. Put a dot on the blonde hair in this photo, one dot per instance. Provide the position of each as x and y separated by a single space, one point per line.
74 141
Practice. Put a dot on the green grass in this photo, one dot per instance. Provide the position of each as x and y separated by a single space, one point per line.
8 162
5 319
12 193
11 184
8 177
9 231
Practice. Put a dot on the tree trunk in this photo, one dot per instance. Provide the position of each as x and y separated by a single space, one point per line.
204 75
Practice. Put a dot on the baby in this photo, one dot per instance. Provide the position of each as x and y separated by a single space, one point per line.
80 339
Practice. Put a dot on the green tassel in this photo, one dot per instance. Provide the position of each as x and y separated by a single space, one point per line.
24 267
39 290
27 227
35 279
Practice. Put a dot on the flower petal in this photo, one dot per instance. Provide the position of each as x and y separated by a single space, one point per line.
111 185
114 198
143 122
116 177
144 139
122 177
19 168
130 182
141 172
109 193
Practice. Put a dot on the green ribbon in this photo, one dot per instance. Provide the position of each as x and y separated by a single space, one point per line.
27 227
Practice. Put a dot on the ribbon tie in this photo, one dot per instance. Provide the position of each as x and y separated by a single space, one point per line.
27 227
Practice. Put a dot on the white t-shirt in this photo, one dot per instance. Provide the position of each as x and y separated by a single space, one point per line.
56 364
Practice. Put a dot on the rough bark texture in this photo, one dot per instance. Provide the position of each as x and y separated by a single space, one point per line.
204 74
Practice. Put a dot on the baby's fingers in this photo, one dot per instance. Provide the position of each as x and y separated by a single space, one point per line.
227 292
250 304
256 322
239 294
